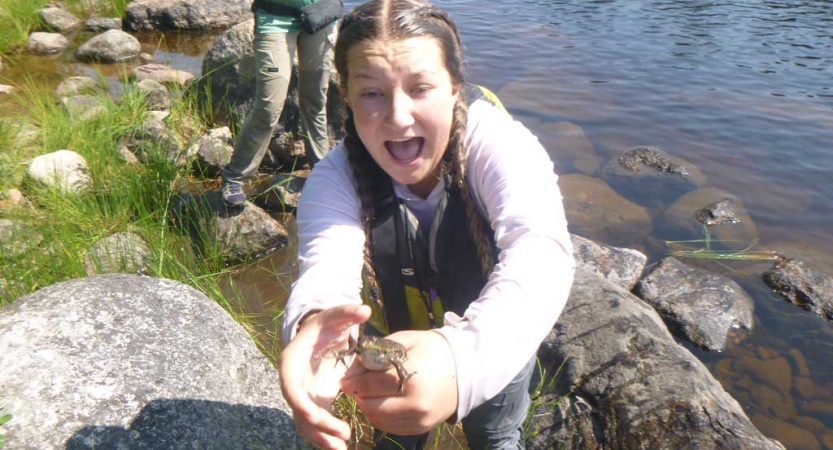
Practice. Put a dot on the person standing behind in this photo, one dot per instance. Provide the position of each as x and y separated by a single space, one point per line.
279 33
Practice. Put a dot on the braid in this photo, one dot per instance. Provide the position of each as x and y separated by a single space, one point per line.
454 163
365 171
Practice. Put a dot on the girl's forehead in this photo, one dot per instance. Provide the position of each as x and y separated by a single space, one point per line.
424 50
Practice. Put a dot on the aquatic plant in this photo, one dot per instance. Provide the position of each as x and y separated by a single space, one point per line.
704 249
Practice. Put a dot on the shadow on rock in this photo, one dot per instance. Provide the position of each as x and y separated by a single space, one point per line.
181 423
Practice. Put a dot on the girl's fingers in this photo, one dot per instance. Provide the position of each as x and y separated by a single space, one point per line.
373 384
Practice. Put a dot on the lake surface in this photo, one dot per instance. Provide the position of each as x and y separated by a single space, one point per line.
741 90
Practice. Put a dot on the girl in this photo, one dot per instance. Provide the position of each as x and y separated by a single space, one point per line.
443 213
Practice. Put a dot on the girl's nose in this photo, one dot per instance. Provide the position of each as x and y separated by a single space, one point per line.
401 111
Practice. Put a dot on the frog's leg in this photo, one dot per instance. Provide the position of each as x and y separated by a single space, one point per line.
403 376
350 350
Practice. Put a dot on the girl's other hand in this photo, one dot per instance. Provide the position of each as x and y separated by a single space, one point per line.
310 379
430 395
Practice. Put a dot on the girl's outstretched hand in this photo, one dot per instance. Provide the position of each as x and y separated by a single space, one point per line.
430 394
310 378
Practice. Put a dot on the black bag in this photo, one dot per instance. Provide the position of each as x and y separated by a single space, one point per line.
318 15
313 17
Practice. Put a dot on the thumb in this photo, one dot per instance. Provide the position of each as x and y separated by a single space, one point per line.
331 323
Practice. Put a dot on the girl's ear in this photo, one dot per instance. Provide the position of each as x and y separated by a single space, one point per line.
344 95
455 90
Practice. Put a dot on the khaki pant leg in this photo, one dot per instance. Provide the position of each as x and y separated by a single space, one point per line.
315 64
273 53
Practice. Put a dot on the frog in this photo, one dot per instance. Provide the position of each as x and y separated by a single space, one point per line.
378 353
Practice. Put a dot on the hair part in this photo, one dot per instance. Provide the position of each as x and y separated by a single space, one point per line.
398 20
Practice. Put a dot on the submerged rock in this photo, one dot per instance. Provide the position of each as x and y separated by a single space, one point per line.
597 212
649 175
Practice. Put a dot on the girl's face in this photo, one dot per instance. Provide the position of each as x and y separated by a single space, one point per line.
402 99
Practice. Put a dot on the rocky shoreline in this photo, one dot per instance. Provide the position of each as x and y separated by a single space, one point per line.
76 357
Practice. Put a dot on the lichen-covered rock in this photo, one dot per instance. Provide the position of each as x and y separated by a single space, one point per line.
707 308
621 266
123 361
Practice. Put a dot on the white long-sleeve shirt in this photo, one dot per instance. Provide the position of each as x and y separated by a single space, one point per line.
512 180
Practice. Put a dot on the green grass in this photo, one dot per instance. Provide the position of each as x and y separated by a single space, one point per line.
4 419
19 17
123 197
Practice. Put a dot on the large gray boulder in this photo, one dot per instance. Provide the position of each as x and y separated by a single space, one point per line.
130 362
620 381
185 15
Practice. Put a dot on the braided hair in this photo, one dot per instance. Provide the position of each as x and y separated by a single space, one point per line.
397 20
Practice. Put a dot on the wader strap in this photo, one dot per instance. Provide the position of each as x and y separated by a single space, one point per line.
387 256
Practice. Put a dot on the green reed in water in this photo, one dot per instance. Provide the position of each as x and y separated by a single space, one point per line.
704 250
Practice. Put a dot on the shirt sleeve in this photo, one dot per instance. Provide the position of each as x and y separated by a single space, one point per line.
513 182
330 242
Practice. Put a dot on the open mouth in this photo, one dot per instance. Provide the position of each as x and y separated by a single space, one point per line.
406 150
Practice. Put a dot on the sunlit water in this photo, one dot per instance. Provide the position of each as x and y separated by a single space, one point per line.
743 90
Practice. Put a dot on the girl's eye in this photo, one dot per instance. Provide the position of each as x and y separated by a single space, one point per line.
371 95
420 90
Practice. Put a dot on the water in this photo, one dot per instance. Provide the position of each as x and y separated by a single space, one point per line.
742 90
